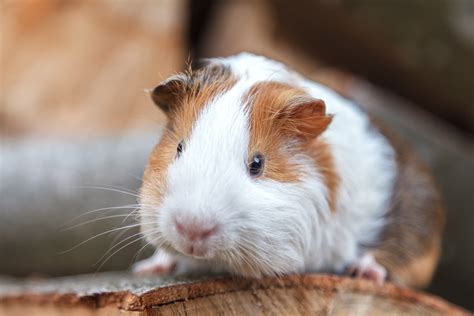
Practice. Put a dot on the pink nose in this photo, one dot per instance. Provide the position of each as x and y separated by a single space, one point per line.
195 232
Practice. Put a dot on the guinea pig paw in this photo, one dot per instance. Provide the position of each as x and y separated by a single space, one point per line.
368 268
160 263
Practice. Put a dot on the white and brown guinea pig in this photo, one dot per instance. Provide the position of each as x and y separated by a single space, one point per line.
263 172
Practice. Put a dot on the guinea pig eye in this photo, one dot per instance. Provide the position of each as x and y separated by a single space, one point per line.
180 148
256 165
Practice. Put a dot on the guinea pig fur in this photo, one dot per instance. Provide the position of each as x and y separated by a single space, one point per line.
263 172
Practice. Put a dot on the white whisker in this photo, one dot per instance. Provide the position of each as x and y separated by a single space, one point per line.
122 241
96 220
135 257
102 234
101 209
110 256
117 187
135 211
109 189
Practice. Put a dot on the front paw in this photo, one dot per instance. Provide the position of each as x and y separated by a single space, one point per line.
368 268
160 263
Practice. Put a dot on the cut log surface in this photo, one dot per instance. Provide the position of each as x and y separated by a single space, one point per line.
123 294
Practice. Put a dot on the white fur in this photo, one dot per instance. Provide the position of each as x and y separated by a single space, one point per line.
268 227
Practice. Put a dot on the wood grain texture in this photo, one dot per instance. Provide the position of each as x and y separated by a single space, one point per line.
289 295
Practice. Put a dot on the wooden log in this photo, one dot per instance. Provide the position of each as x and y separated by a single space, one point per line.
120 294
376 40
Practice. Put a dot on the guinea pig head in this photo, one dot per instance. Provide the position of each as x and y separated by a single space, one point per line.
229 180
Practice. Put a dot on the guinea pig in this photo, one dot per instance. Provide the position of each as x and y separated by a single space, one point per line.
262 172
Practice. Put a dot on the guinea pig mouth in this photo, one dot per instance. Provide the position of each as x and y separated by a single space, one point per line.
196 250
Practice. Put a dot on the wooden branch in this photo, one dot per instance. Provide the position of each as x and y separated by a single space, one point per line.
113 294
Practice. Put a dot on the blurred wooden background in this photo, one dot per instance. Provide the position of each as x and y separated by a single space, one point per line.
81 67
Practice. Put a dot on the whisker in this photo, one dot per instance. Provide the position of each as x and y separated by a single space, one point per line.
100 209
110 256
117 187
134 212
124 231
101 234
122 241
118 235
135 257
96 220
109 189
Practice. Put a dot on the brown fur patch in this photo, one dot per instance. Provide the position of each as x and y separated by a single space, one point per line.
267 136
154 183
410 243
284 121
324 162
419 271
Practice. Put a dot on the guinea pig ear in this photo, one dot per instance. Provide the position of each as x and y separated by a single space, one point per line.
168 94
307 120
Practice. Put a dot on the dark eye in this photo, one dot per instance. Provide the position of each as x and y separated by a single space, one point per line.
180 148
256 165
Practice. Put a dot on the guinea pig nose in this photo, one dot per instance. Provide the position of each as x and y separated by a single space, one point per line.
194 231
